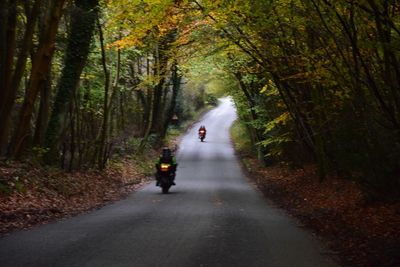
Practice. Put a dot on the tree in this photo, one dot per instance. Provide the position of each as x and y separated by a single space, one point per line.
83 20
40 64
11 77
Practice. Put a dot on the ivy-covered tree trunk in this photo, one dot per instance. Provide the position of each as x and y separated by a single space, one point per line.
82 27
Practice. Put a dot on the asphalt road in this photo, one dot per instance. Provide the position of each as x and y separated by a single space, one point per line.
213 217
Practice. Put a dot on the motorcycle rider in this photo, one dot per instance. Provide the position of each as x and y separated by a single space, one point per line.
203 128
168 158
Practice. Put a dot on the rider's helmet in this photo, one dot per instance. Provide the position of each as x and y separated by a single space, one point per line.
166 152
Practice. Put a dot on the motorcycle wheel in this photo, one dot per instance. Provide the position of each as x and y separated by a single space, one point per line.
165 189
202 139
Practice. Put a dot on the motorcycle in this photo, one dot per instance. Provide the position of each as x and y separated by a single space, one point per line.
202 135
165 177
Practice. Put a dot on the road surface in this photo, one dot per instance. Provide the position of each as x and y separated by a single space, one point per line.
213 217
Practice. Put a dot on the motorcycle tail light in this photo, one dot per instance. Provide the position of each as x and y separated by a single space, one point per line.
164 167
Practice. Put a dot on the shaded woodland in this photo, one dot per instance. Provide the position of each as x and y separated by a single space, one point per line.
314 81
317 82
72 98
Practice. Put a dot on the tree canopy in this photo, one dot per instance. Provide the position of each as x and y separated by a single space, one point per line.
314 81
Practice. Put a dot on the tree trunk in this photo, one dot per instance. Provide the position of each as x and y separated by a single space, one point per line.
149 121
7 46
176 85
82 27
44 112
101 139
3 45
40 65
13 80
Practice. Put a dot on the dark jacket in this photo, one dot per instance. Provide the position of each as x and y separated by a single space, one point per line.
167 159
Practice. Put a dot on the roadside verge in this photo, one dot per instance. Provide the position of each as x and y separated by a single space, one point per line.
358 233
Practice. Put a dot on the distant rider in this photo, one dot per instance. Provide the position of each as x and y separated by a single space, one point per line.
203 128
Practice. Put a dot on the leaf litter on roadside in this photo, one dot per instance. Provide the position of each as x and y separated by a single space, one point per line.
359 233
48 194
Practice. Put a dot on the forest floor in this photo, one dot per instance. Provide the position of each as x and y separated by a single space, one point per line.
31 195
356 232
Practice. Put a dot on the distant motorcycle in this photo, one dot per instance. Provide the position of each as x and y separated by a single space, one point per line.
166 177
202 135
